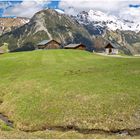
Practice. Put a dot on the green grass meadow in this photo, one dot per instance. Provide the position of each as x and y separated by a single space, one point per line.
68 88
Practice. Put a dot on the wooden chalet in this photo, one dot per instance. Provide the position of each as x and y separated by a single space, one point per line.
49 44
1 51
75 46
111 49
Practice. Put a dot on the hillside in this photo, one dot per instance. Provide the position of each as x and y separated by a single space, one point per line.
125 34
48 24
127 40
68 93
9 24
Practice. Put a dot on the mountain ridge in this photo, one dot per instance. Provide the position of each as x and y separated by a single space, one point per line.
8 24
98 24
107 21
48 24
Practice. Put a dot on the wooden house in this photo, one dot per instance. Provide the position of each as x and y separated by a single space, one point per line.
102 45
49 44
111 49
75 46
1 51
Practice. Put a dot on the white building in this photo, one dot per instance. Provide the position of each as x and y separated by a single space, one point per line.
110 49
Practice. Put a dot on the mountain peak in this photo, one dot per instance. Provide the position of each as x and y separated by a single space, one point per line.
104 20
49 24
97 13
47 11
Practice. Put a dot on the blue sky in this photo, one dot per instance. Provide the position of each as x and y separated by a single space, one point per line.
9 5
134 5
53 4
6 6
129 9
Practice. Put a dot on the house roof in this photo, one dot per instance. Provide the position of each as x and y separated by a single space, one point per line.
112 44
46 41
101 42
72 45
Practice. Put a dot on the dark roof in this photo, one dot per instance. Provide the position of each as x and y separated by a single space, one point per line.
46 42
112 44
103 42
73 45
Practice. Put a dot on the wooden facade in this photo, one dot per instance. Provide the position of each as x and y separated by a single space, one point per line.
1 52
75 46
49 44
110 49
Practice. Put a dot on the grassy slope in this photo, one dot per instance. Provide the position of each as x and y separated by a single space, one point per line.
63 87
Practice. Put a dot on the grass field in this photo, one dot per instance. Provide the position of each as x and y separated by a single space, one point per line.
70 89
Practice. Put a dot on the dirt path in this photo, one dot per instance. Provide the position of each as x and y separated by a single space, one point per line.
117 56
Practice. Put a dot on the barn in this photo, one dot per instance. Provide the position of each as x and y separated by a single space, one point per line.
48 44
75 46
111 49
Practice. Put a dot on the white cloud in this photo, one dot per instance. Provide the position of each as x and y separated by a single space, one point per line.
117 7
109 6
26 8
130 14
4 4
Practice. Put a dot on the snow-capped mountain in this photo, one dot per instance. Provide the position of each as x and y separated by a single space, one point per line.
103 20
124 33
91 28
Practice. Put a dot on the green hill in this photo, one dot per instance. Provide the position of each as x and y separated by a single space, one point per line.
71 91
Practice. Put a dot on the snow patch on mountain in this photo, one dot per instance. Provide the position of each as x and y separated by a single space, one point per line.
98 18
59 11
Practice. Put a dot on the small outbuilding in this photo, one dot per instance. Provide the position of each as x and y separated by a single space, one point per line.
48 44
111 49
1 51
75 46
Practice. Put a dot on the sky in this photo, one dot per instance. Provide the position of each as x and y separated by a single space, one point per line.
127 9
